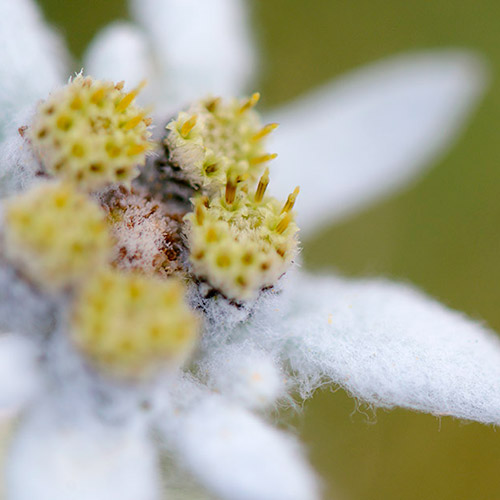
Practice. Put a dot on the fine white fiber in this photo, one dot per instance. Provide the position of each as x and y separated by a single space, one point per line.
19 377
372 131
50 459
243 373
386 343
201 47
237 456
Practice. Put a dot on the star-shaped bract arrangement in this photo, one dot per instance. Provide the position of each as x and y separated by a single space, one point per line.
116 258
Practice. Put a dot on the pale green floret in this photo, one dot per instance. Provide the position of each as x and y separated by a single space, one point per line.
130 325
214 136
56 235
91 133
241 243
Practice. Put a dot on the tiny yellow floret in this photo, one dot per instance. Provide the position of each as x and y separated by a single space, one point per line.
215 136
91 133
55 234
130 324
241 242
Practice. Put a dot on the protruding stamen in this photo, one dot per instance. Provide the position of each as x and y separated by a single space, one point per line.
188 126
230 189
261 188
212 104
267 129
290 202
200 209
250 103
136 149
263 158
120 85
133 122
127 100
284 223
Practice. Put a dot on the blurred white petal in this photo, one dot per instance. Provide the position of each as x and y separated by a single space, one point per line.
387 344
119 52
200 46
32 58
368 133
19 376
243 373
237 456
53 460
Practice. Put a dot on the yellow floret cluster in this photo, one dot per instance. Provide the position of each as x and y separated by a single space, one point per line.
91 133
55 234
242 242
128 324
214 136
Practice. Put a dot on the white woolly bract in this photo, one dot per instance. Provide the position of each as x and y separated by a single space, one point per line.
385 343
80 460
121 52
201 47
237 456
19 375
243 373
32 59
372 131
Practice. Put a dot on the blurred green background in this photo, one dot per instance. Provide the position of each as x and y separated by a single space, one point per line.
441 234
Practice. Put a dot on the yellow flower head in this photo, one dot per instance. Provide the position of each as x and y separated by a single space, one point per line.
55 234
91 133
128 324
241 242
214 137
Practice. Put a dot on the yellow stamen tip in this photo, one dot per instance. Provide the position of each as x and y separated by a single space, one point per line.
250 103
188 126
263 159
264 131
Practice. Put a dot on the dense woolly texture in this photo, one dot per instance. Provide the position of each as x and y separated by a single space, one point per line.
19 381
241 242
32 59
243 373
91 132
120 52
55 234
23 308
53 459
147 237
130 324
199 47
373 130
237 456
19 166
385 343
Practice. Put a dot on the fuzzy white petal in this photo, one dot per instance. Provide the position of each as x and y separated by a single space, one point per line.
32 58
237 456
201 47
243 373
119 52
19 376
53 460
365 135
387 344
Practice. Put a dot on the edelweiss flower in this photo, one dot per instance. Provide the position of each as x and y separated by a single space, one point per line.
93 418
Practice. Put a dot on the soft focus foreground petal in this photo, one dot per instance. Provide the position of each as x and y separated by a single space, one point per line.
32 58
120 52
243 373
53 460
237 456
201 47
19 377
365 135
387 344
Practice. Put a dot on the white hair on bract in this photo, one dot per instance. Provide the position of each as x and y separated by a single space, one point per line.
53 459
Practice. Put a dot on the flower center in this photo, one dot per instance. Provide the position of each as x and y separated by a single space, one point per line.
91 133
